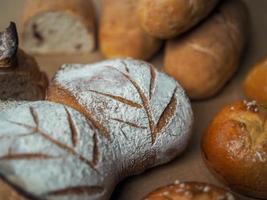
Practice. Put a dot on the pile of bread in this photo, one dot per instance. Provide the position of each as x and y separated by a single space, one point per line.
75 137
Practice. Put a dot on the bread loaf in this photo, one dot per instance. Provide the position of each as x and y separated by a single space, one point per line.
169 18
135 118
235 148
59 27
207 57
120 34
20 77
190 191
255 84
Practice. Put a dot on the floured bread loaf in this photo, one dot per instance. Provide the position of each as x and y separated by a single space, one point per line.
59 26
142 117
20 77
51 151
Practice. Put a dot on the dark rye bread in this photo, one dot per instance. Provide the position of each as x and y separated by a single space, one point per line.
24 81
8 46
20 77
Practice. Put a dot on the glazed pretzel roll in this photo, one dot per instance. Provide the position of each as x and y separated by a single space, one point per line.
235 148
169 18
207 57
20 76
120 34
190 191
59 27
255 84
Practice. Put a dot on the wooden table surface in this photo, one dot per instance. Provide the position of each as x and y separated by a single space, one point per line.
189 166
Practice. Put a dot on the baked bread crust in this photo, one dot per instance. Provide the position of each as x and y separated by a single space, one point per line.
190 191
169 18
203 60
51 151
120 35
234 148
7 192
83 10
255 83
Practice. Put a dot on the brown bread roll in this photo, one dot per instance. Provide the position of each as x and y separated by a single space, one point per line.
168 18
20 77
207 57
120 34
135 118
255 85
235 148
190 191
59 26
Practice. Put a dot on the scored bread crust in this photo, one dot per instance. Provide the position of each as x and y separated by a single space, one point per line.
190 191
51 151
83 10
207 57
142 114
23 80
120 34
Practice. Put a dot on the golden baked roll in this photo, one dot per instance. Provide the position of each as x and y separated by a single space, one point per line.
190 191
169 18
59 26
203 60
235 148
20 77
255 85
120 34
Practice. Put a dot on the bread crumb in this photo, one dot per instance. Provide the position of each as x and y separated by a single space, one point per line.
251 105
260 157
206 189
188 194
179 190
229 196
